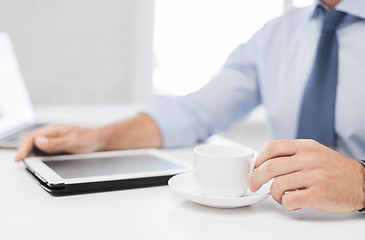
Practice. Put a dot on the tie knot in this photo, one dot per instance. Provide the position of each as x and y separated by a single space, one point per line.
331 20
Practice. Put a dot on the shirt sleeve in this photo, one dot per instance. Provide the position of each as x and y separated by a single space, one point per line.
228 97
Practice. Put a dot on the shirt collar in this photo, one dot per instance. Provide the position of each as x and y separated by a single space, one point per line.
353 7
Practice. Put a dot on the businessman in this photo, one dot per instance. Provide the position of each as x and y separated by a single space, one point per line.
307 68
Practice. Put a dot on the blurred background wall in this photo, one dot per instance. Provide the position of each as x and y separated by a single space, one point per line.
123 51
82 51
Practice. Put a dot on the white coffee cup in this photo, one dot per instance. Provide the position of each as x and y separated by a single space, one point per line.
223 170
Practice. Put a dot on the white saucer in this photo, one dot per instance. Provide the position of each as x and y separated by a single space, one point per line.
184 185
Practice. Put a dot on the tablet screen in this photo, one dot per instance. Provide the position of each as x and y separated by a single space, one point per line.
77 168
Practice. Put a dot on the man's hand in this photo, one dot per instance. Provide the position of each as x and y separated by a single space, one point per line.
308 174
136 132
60 138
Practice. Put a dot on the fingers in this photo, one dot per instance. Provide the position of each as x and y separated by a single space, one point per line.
275 149
288 183
308 174
284 148
23 150
53 144
297 199
28 141
273 168
53 130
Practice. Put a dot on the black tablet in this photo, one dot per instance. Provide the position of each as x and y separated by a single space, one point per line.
103 171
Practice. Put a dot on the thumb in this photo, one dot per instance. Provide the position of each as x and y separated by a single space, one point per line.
51 144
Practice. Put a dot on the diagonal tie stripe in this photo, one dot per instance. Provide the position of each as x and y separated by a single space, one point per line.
317 113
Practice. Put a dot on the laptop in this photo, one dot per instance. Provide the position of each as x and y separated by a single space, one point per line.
17 115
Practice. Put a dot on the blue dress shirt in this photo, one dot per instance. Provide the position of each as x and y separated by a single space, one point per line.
272 69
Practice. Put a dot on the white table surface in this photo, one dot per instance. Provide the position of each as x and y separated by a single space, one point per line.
28 212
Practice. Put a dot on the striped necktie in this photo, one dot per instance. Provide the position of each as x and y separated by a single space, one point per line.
317 113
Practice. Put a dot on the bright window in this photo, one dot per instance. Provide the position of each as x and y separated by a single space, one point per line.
193 38
302 3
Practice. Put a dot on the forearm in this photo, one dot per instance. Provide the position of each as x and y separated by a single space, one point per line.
136 132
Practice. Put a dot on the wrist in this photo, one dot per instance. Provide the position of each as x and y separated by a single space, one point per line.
97 138
139 131
362 162
106 136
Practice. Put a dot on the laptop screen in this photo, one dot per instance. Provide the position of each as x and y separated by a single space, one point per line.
15 105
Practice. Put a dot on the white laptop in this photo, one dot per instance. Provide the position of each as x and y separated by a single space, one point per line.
16 110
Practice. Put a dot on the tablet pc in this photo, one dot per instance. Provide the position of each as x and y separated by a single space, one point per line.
103 171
